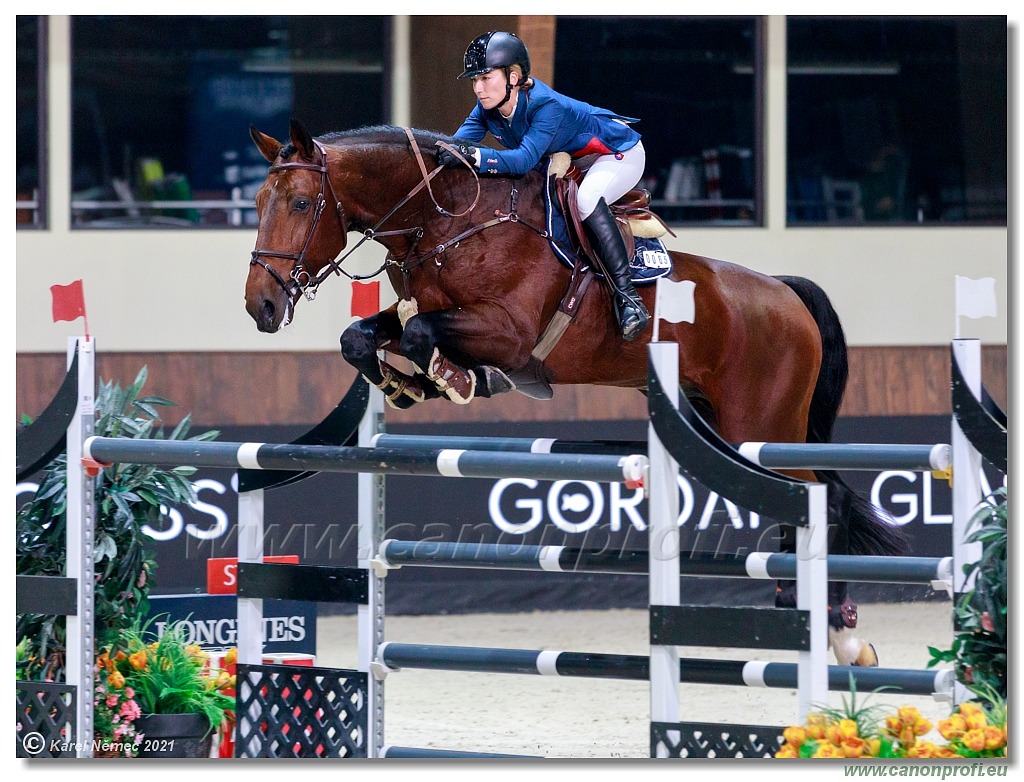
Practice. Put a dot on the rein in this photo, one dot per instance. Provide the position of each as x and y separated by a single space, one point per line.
305 284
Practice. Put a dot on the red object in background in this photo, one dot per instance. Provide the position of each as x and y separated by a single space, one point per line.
226 735
222 572
68 301
365 298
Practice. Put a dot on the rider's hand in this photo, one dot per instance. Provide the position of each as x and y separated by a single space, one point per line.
448 160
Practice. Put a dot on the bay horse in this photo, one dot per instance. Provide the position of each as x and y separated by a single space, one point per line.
764 360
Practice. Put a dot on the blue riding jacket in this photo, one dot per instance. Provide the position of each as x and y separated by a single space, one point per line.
545 122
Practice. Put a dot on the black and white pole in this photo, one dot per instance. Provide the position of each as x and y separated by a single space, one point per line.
663 544
967 493
370 615
81 546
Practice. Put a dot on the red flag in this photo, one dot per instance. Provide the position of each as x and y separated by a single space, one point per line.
365 298
68 301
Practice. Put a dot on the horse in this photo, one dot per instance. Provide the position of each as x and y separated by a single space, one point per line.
764 360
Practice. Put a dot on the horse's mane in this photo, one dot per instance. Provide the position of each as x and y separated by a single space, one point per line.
385 135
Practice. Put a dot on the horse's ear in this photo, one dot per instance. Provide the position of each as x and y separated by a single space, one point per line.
268 147
301 139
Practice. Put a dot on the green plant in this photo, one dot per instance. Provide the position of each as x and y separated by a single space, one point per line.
160 675
978 652
127 497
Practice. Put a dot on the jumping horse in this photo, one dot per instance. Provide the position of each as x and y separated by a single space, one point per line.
764 360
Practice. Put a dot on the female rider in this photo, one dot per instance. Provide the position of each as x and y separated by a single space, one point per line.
532 120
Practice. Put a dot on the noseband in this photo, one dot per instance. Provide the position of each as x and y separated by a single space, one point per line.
301 280
304 283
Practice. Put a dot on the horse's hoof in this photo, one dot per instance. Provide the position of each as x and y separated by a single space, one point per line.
867 658
495 381
850 650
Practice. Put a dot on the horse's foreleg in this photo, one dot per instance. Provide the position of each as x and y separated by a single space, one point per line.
359 345
422 342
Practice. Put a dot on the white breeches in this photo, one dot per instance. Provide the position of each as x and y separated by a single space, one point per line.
611 178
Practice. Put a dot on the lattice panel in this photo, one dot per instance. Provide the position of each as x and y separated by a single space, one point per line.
48 710
714 740
301 712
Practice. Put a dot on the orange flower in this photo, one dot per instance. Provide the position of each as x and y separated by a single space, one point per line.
977 721
923 749
995 737
816 724
946 752
911 717
974 739
968 708
854 747
840 731
787 750
115 680
954 727
828 751
138 660
795 736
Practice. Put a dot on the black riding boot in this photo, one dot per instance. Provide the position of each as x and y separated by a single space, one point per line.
611 250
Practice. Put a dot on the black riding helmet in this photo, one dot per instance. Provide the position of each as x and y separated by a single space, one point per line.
496 50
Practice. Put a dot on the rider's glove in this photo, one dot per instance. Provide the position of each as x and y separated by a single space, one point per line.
448 160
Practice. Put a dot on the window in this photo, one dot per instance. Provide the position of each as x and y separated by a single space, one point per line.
30 119
162 107
691 82
897 120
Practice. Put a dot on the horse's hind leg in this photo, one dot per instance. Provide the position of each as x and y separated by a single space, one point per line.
359 345
773 412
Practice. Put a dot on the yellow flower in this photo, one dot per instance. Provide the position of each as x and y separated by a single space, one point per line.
974 739
922 749
946 752
115 680
816 730
968 708
911 717
795 736
231 657
853 746
828 751
840 731
954 727
138 660
977 720
995 737
787 750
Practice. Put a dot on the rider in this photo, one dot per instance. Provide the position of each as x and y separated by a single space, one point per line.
532 120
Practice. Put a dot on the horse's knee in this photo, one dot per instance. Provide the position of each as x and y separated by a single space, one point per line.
418 341
358 345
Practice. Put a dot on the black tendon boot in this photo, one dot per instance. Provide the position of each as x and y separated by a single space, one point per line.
611 250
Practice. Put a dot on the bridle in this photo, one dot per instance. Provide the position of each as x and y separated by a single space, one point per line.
304 283
301 280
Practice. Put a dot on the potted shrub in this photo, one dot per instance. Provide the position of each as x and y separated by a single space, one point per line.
158 696
128 497
979 651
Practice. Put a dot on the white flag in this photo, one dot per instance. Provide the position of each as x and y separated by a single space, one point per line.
673 301
975 298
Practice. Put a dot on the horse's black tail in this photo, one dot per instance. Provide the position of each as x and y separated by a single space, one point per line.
869 533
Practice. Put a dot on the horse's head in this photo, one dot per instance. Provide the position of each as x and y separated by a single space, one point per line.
301 227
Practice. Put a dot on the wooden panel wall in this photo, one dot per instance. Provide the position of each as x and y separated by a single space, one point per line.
221 389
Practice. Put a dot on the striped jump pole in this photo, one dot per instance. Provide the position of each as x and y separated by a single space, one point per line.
790 456
934 571
394 656
447 463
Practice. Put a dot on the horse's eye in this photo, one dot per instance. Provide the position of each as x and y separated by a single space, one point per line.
300 204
